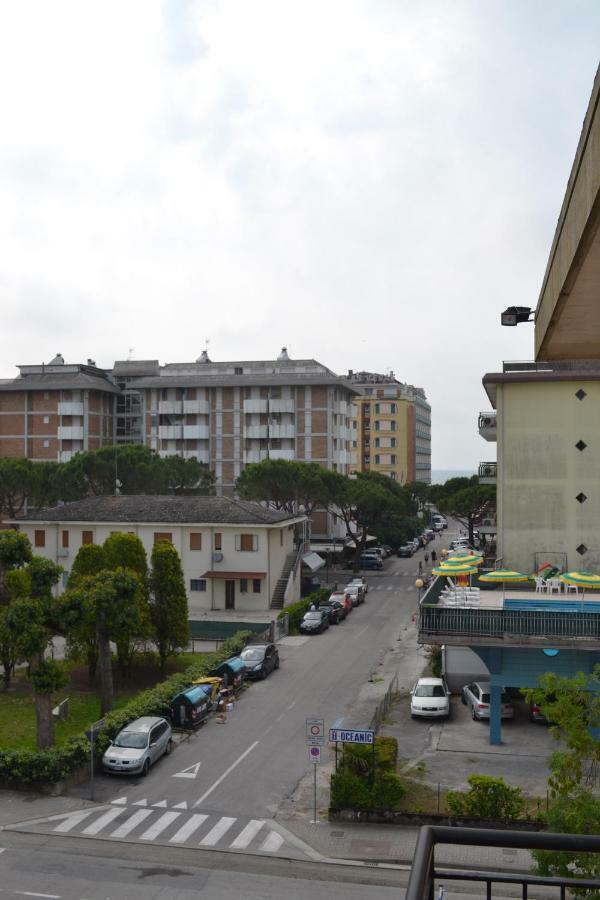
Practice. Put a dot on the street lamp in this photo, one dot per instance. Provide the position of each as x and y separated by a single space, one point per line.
514 315
419 587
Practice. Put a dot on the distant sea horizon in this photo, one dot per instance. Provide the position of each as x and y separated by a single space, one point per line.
439 476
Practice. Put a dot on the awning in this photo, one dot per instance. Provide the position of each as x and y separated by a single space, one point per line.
329 548
232 576
313 561
370 538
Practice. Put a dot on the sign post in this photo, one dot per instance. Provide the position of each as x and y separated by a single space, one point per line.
315 738
314 753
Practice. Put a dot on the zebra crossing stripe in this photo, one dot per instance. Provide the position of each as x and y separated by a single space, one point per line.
74 820
271 843
247 833
216 833
159 826
99 824
186 831
131 823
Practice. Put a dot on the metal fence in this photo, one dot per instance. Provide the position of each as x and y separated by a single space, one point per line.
381 710
437 621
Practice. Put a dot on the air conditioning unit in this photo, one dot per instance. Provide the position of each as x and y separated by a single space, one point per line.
217 557
488 422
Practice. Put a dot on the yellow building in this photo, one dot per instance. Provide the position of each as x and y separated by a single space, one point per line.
391 428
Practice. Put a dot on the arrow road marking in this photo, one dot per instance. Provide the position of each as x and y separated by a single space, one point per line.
121 800
162 804
190 772
226 773
141 803
181 805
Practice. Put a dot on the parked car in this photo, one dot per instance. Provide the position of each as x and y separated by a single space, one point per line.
535 712
357 594
138 745
430 698
477 697
387 549
342 597
335 610
370 562
260 659
375 551
405 550
314 621
362 582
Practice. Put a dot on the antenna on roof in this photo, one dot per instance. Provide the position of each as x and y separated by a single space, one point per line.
204 357
130 352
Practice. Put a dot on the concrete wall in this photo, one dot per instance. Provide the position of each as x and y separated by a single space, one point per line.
541 472
460 665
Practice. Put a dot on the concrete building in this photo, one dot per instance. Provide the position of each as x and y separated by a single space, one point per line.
391 428
235 555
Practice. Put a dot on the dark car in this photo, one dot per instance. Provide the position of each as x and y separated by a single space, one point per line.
370 562
260 659
314 621
405 550
335 610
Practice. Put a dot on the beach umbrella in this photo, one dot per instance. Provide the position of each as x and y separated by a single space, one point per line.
505 576
583 580
463 559
453 571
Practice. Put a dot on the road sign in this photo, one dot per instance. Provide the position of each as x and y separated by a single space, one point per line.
315 732
314 754
352 736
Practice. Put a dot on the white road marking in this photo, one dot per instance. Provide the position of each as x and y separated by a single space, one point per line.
292 705
271 843
99 824
247 834
131 823
216 833
360 632
190 772
193 823
121 800
226 773
162 804
280 717
181 805
74 820
159 826
390 588
141 803
34 894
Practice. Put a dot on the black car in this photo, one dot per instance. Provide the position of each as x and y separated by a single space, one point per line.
405 550
336 612
314 621
260 659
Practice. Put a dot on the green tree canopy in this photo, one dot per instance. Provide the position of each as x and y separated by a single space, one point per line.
168 604
285 484
465 504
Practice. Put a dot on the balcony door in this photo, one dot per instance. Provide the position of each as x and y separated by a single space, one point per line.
230 595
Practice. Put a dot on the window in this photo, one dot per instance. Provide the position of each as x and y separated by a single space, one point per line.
393 459
393 442
243 585
246 542
218 541
46 443
377 459
195 540
238 370
39 538
65 538
46 395
163 536
87 537
197 584
256 585
377 442
46 420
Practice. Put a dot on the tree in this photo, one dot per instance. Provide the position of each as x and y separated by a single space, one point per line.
15 552
16 484
126 551
186 476
285 484
465 504
168 606
81 633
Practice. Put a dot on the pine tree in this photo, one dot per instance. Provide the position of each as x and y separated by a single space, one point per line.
168 602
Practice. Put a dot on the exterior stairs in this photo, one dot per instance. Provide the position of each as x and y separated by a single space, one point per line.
280 586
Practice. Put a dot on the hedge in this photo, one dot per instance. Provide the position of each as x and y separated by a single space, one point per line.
351 785
54 764
296 611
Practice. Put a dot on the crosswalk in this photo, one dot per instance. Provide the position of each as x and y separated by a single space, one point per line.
145 822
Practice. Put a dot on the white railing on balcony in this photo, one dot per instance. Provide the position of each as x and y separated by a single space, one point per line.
170 407
72 408
196 432
170 432
66 455
282 454
487 473
340 456
282 431
196 406
255 431
282 406
201 455
70 432
254 456
255 406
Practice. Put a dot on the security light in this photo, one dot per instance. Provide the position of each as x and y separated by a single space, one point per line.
515 314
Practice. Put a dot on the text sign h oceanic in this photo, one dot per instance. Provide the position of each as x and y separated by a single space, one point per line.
348 736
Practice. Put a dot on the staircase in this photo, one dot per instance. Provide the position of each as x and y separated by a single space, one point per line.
279 591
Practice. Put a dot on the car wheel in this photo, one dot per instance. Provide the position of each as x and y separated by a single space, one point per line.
146 768
169 747
473 714
276 666
263 674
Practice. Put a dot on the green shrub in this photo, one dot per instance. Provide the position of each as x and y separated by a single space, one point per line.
358 758
350 791
488 797
386 754
28 766
434 656
296 611
388 791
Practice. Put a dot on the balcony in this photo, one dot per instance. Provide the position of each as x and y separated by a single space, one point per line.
487 425
254 456
256 432
255 406
487 525
170 432
70 409
340 457
282 431
197 407
65 455
201 455
170 407
281 406
70 432
487 472
194 432
282 454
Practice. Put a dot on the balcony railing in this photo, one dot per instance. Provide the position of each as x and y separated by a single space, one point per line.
196 406
555 365
70 408
70 432
509 627
170 407
487 472
487 425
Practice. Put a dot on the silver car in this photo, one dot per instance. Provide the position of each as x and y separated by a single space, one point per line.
138 745
477 697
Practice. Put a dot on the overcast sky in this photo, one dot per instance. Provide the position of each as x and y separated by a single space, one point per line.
369 182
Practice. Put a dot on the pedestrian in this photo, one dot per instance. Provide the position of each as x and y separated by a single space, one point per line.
433 557
420 567
426 557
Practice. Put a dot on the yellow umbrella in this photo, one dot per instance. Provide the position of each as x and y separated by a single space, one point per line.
505 576
581 579
467 559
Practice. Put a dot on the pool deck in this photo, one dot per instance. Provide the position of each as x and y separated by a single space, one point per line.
494 599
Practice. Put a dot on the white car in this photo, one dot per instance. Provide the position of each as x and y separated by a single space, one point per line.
361 582
430 698
357 595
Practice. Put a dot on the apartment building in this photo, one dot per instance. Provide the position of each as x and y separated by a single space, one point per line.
52 411
391 428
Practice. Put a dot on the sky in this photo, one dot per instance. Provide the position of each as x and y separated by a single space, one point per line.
367 182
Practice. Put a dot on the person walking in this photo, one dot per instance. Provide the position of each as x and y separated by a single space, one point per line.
426 557
420 567
433 557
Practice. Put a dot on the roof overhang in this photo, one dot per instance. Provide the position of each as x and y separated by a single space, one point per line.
231 576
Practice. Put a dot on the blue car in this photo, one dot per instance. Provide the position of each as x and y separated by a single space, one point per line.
370 562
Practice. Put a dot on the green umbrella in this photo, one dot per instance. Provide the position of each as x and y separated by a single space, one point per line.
463 559
581 579
506 576
454 570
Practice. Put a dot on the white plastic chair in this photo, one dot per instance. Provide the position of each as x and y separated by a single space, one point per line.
553 585
540 585
571 588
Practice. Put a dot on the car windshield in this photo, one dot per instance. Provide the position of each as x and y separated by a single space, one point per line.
253 654
430 690
131 739
313 615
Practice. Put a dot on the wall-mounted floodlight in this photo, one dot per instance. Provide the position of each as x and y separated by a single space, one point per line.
513 315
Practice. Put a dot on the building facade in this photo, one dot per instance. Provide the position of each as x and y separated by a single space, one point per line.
391 428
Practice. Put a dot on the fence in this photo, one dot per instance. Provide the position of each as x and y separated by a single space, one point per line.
438 622
381 710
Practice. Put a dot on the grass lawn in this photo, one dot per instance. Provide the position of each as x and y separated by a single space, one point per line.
17 705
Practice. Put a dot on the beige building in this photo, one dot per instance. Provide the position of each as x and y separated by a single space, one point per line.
391 428
235 555
547 412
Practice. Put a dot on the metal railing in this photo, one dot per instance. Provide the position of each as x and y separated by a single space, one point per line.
437 621
555 365
424 872
487 470
382 708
